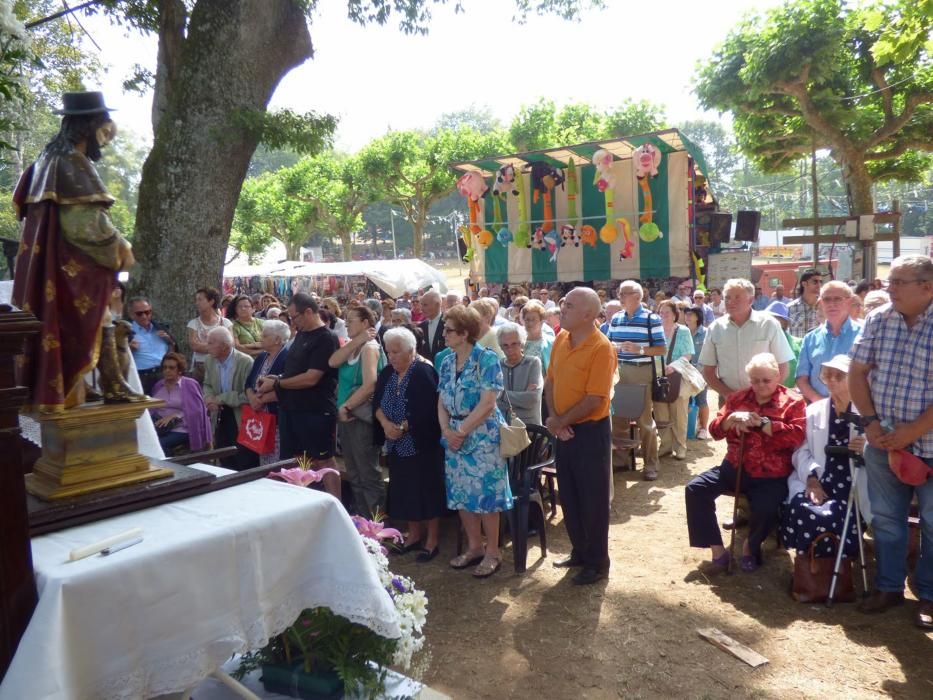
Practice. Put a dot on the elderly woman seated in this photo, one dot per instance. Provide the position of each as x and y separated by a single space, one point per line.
762 425
818 488
521 374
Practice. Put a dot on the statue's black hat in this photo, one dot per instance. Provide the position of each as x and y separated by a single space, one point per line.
75 103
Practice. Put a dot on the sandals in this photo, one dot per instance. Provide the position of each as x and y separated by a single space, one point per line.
487 567
467 559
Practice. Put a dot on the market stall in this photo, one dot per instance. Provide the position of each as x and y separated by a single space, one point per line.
615 209
392 277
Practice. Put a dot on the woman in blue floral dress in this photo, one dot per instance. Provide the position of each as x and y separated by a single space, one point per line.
476 474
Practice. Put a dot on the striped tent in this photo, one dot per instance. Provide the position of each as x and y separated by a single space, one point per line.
670 198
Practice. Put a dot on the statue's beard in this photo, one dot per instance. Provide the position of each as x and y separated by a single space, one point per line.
93 151
102 136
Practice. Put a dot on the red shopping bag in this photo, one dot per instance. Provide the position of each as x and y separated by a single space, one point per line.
257 430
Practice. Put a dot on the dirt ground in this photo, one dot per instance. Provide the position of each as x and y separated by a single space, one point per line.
634 636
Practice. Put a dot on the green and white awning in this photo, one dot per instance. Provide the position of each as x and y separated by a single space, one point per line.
667 197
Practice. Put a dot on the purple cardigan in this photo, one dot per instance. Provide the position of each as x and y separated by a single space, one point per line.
192 405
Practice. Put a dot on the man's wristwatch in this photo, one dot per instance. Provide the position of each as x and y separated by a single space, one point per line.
868 420
765 422
641 349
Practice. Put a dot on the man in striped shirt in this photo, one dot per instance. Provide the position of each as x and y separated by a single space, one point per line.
638 338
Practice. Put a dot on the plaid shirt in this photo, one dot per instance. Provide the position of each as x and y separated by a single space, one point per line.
803 317
901 362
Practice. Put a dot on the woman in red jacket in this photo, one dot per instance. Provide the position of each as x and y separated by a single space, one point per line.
771 420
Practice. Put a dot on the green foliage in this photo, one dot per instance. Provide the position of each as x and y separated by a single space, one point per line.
265 212
542 125
824 74
473 117
266 159
718 146
325 641
413 167
305 134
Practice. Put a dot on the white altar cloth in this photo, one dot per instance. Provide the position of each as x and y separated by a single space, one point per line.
216 574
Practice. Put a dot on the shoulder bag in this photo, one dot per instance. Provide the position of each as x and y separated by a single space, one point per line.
813 575
513 436
664 388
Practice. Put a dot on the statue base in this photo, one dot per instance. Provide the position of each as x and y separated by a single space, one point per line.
90 448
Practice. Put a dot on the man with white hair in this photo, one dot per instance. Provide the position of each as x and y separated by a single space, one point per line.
613 306
225 373
451 300
832 337
638 337
579 380
733 339
432 327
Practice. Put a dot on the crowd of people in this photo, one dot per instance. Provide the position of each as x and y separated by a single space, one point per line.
424 381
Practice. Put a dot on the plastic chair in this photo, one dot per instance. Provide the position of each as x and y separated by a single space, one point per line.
628 404
524 479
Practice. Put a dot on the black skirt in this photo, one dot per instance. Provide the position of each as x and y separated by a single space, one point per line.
417 490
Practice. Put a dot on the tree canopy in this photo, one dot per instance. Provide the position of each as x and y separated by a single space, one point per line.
824 74
541 125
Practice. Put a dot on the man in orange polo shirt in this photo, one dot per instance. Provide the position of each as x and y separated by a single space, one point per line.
580 377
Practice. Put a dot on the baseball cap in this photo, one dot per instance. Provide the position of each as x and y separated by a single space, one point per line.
840 362
779 310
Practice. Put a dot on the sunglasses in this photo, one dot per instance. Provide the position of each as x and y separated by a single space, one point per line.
142 313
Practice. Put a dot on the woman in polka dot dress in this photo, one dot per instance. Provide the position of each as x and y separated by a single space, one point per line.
820 485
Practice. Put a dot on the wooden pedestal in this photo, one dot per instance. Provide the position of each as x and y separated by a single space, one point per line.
90 448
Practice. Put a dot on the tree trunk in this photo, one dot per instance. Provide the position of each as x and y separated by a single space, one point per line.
858 183
417 235
346 244
292 250
231 61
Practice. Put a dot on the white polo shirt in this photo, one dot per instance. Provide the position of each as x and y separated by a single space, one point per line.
729 347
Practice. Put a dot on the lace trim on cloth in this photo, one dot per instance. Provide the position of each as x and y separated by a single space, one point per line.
190 668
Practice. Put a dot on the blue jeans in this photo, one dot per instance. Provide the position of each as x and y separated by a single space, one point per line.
890 502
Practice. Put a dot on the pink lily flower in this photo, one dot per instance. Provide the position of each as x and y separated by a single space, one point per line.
303 477
375 530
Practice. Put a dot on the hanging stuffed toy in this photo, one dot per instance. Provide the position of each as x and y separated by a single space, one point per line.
626 251
468 240
698 266
588 235
647 158
485 238
569 236
552 240
505 182
472 186
604 179
537 241
503 235
544 178
522 238
608 233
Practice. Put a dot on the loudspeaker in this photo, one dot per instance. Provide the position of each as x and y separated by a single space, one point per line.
720 228
747 225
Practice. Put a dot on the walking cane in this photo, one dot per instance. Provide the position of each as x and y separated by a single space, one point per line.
735 502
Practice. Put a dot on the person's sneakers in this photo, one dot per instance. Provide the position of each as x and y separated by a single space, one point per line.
703 434
680 455
650 474
879 601
569 562
924 619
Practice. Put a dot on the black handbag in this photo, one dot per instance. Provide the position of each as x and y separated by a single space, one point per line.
664 388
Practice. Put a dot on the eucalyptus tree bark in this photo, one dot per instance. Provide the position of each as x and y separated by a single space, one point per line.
227 61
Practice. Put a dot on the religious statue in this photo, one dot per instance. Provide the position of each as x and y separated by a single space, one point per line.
68 260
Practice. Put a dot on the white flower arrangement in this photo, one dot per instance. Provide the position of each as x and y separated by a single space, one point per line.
411 604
